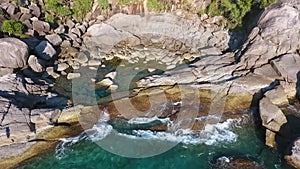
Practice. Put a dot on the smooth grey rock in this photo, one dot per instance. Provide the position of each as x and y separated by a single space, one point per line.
45 50
35 64
14 53
54 39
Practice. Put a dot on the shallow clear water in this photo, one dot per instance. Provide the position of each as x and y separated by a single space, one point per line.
87 155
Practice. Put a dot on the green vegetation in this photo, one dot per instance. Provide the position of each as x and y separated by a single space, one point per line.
103 4
81 8
55 8
234 11
12 27
155 5
49 18
125 2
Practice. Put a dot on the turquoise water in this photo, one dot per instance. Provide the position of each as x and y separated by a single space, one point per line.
87 155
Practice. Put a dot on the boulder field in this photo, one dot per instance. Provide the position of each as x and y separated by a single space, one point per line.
183 58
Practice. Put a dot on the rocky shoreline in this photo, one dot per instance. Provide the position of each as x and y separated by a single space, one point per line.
48 79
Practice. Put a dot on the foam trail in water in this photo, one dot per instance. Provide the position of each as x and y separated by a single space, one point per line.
212 134
145 120
63 147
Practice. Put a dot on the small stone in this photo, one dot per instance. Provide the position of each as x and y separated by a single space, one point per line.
113 88
54 39
171 67
45 50
24 10
73 76
94 63
70 24
35 10
93 68
60 29
111 75
81 58
50 72
100 18
62 67
75 66
65 44
105 82
35 64
11 10
151 70
76 31
270 138
40 26
82 28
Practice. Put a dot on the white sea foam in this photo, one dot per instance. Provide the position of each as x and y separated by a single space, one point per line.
63 148
212 134
145 120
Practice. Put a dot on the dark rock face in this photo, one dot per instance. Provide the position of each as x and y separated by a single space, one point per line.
14 53
45 50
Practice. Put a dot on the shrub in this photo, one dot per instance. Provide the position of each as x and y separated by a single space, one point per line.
155 5
12 27
81 8
56 8
234 10
103 4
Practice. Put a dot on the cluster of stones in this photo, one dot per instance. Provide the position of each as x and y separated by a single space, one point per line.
63 41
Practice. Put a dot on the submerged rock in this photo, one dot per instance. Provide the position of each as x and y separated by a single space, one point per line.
236 163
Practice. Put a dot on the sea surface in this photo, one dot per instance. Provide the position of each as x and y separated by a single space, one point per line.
229 139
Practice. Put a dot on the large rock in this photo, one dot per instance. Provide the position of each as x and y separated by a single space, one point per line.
14 53
288 66
277 34
178 33
272 117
